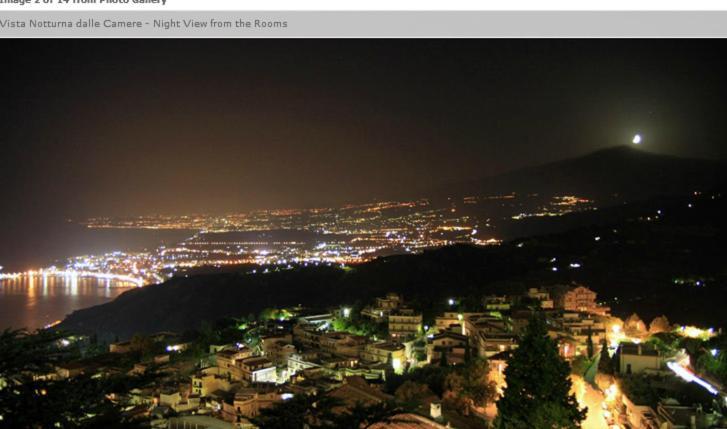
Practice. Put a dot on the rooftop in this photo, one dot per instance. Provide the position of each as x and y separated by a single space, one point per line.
643 349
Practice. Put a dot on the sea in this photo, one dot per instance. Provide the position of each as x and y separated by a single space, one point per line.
38 301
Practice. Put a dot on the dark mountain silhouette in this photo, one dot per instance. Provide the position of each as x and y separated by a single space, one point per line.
622 173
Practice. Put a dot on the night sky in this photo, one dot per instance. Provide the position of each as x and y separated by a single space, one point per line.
137 127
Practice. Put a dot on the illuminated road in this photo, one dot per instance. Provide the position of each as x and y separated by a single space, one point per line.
591 398
681 368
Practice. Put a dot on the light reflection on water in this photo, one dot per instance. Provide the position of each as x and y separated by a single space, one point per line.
35 301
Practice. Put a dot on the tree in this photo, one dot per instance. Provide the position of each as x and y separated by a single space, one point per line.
477 385
358 325
605 365
590 348
659 324
142 345
363 416
468 386
713 359
538 385
411 394
298 412
453 382
443 359
432 376
616 361
457 403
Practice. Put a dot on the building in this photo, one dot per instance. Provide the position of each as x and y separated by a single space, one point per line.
519 319
371 371
298 362
466 323
390 302
342 344
355 390
411 421
541 295
639 416
169 397
491 343
474 323
671 415
226 358
120 347
451 321
207 381
248 402
581 299
637 358
175 400
70 369
321 319
404 323
449 346
258 370
278 348
567 345
226 362
205 422
382 307
578 326
307 335
497 303
387 353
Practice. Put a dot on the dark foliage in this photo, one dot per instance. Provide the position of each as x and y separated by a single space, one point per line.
605 364
30 400
323 412
538 385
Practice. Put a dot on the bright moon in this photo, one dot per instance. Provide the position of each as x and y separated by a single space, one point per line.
637 139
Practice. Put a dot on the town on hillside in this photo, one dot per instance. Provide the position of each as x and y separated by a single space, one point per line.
400 368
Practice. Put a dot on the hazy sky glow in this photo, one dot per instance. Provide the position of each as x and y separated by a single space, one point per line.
135 127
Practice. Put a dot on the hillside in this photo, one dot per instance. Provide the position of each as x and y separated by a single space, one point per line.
624 173
636 263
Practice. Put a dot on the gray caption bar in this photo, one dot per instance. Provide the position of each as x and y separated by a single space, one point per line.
363 24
